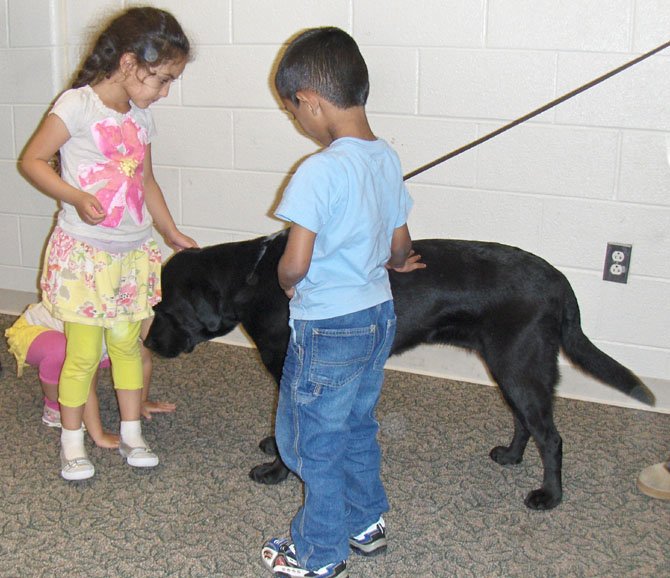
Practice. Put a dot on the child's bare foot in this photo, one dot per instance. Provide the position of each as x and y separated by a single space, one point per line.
149 407
107 441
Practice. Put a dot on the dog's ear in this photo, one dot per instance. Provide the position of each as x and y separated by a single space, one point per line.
212 309
205 301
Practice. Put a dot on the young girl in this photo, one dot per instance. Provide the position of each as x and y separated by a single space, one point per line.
101 269
37 339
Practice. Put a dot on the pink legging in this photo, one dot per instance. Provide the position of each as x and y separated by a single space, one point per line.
47 353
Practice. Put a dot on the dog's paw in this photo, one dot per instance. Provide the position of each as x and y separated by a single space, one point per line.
268 446
270 473
542 499
504 456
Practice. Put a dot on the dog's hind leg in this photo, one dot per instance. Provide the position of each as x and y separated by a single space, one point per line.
551 492
513 453
525 367
532 407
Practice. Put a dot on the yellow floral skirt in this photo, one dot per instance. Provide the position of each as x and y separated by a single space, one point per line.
83 284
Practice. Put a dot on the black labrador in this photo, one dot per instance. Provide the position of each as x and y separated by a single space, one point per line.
511 307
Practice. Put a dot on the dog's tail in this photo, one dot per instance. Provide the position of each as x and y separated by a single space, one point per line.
589 358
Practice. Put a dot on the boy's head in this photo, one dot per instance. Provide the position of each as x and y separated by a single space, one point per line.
327 61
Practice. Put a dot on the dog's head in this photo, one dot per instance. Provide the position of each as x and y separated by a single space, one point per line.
208 292
167 336
196 304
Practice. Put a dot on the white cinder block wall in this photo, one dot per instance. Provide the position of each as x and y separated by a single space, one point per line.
443 73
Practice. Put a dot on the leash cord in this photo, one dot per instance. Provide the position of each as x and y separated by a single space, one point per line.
535 112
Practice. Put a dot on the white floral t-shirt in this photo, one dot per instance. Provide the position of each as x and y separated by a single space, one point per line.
104 156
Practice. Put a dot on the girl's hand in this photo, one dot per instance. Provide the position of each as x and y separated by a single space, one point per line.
178 241
107 441
412 262
149 407
89 209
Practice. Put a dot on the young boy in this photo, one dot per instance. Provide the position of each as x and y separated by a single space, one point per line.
348 210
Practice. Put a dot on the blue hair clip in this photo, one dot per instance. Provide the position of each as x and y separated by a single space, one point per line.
150 54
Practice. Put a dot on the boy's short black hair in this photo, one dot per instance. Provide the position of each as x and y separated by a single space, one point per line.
326 60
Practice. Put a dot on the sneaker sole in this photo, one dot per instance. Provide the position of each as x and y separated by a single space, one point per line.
77 476
369 550
146 461
142 463
51 423
299 572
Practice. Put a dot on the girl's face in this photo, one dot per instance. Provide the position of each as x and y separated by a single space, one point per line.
147 85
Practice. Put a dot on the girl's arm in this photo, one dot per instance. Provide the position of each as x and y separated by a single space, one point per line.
47 140
93 422
150 407
153 196
297 257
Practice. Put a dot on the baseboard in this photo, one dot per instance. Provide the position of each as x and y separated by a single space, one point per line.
445 362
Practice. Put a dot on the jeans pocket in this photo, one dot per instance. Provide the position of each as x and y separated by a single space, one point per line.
385 350
340 355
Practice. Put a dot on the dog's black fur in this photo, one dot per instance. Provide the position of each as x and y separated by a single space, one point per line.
510 306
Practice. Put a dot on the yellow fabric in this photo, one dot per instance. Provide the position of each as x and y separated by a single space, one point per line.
82 356
19 338
84 347
85 285
123 346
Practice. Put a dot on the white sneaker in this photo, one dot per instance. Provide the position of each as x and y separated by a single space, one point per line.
50 417
140 457
77 469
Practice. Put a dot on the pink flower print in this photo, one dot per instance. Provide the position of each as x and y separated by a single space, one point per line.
155 256
89 280
122 175
62 246
127 294
88 310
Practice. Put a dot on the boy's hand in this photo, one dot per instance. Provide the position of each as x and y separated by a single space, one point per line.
412 262
149 407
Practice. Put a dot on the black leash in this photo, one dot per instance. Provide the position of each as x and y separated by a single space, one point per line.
537 111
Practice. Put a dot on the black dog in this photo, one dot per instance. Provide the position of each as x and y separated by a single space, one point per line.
510 306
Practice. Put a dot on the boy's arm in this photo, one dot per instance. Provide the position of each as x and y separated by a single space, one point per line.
297 257
403 258
401 247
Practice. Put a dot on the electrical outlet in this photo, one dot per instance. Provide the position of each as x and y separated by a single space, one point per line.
617 262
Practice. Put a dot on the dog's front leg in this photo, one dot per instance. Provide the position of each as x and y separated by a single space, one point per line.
270 473
268 446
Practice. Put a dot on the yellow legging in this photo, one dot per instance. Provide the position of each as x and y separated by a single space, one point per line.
82 357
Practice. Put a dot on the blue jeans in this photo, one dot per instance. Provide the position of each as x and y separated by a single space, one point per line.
326 429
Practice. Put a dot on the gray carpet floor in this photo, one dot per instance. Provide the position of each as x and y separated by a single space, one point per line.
454 511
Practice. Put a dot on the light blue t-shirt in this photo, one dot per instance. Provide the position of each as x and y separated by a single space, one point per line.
352 196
